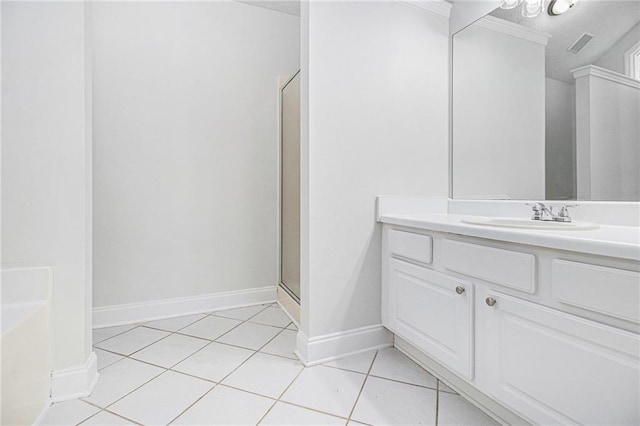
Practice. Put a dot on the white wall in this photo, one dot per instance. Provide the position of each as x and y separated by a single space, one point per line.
560 153
46 167
607 135
185 147
498 112
613 59
374 121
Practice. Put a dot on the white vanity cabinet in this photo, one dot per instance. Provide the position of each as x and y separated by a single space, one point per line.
539 333
434 311
556 368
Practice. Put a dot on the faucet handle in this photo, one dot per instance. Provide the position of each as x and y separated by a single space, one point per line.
564 212
537 208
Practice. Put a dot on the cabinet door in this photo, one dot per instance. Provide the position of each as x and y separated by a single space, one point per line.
433 312
556 368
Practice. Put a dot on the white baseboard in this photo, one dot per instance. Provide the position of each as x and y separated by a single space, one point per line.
166 308
321 349
74 382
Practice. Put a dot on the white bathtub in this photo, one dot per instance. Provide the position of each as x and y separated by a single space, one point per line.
25 344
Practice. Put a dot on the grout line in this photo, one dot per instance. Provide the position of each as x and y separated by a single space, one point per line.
88 417
122 417
173 331
192 404
406 383
232 371
132 391
281 395
240 322
93 415
437 399
150 344
282 329
115 335
214 313
362 387
314 409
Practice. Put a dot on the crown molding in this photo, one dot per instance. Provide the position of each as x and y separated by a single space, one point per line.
439 7
512 29
606 75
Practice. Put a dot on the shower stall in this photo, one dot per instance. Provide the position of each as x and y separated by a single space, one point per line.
290 187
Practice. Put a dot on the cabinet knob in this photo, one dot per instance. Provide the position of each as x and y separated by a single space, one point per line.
459 289
490 301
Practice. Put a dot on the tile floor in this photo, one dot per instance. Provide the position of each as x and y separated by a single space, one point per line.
237 367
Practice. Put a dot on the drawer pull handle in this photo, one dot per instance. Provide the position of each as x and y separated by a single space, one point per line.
459 289
490 301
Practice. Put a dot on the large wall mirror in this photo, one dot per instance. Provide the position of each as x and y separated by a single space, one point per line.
548 107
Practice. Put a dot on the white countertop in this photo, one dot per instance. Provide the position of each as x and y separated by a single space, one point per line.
609 240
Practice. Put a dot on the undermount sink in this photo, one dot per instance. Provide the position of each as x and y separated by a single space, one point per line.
506 222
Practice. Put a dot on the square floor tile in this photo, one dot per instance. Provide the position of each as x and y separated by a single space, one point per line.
105 358
392 403
162 399
210 327
100 334
325 389
264 374
174 324
104 418
287 414
284 344
359 363
69 413
117 380
242 314
226 406
249 335
132 340
170 351
274 316
455 410
392 364
214 362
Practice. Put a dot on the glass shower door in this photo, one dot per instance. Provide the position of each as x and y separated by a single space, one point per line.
290 188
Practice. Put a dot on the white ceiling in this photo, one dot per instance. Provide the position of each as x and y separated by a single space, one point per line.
291 7
607 20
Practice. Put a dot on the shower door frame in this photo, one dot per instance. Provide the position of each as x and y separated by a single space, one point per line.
283 83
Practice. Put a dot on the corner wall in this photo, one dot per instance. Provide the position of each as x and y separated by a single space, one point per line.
46 171
375 77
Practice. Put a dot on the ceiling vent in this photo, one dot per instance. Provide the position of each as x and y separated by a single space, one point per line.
580 43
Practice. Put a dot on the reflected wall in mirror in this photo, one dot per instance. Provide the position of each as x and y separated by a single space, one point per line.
548 107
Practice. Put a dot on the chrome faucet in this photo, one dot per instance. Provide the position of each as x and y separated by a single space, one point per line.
542 212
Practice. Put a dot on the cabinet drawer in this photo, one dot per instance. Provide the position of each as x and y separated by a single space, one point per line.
434 312
508 268
410 246
609 291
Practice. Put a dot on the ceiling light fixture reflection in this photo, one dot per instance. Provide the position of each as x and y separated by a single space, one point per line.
532 8
510 4
558 7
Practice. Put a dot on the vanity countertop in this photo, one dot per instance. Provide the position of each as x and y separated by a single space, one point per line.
609 240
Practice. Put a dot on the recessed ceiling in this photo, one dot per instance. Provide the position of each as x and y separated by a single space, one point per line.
606 20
